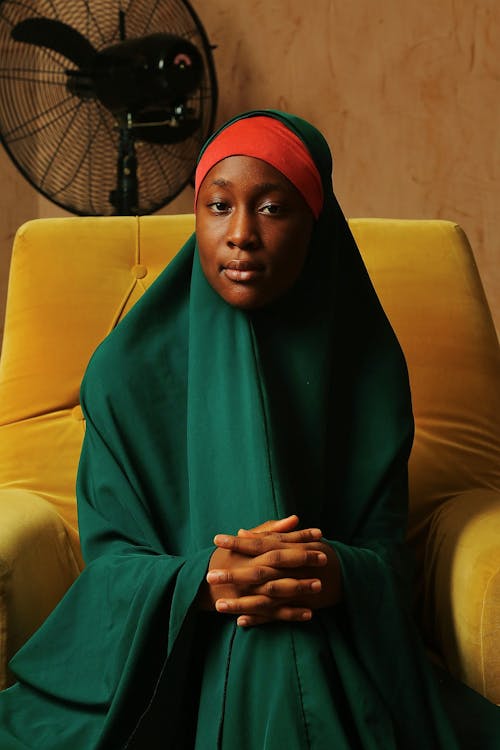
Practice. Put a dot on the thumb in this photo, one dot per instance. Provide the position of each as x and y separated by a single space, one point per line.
280 525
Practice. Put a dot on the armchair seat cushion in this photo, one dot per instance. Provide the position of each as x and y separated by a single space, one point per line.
38 563
39 454
462 588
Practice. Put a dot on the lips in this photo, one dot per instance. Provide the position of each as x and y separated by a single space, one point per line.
242 271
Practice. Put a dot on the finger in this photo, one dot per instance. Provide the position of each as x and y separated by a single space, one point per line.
288 615
292 557
247 532
289 588
245 605
252 545
281 524
262 606
302 535
247 621
251 575
289 537
258 544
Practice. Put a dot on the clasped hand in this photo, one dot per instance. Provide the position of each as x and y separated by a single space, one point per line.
272 572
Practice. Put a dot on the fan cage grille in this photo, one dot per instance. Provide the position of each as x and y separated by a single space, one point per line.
67 147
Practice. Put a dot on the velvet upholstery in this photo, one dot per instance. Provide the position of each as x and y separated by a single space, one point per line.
73 279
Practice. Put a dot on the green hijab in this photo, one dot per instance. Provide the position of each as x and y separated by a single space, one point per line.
202 418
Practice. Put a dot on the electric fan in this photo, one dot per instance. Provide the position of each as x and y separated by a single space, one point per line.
104 104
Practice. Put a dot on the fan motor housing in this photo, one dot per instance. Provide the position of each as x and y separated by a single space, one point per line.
129 76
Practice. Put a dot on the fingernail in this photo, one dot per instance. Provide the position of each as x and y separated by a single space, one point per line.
221 539
306 615
221 606
316 532
321 557
243 622
215 576
316 586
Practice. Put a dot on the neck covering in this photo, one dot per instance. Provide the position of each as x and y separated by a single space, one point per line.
203 418
270 140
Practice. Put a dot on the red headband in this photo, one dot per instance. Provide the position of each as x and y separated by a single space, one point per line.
268 139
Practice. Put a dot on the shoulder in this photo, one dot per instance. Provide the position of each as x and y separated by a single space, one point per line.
150 339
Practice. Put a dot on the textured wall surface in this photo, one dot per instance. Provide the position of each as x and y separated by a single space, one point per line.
408 96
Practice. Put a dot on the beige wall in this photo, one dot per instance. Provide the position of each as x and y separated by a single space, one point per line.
407 93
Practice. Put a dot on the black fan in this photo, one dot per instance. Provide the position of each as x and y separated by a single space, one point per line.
104 104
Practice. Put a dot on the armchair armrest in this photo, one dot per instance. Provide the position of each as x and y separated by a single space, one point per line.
38 563
462 588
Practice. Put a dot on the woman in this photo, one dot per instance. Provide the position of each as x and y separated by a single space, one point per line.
258 378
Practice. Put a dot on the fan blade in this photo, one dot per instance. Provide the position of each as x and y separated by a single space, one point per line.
57 36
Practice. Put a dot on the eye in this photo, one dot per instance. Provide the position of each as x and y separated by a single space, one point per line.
271 209
219 207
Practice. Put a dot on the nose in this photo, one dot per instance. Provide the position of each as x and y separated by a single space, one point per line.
242 230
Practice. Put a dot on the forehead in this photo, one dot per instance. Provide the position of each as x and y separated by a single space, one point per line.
246 172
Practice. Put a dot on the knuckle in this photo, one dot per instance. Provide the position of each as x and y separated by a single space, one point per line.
260 574
257 545
262 603
275 557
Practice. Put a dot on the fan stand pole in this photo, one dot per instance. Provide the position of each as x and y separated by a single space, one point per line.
125 199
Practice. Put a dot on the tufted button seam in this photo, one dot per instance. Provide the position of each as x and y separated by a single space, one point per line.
139 271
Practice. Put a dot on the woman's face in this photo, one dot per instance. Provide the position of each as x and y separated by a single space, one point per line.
253 229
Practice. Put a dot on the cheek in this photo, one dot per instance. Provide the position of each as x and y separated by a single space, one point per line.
293 250
207 244
209 266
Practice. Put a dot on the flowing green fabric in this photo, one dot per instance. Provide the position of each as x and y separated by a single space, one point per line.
202 418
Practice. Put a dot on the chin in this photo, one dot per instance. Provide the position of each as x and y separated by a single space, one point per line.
245 302
242 296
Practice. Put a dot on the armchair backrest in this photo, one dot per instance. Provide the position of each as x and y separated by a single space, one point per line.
73 279
427 280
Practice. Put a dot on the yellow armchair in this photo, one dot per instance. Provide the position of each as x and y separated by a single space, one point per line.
427 280
71 282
